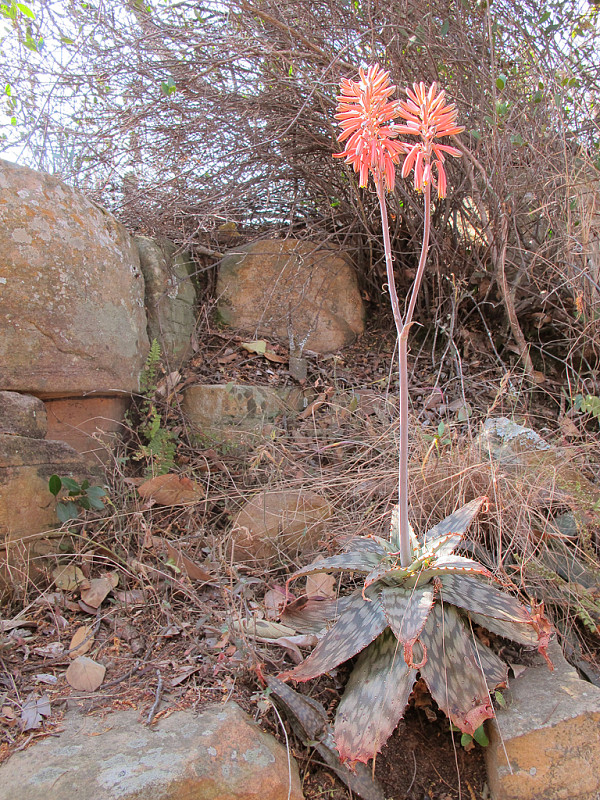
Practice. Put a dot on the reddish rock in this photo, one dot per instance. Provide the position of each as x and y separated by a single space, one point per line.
72 296
88 424
275 524
274 287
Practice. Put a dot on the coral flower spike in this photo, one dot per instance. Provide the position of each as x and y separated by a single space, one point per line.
364 113
427 116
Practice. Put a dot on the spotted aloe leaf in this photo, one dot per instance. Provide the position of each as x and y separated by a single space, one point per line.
313 614
456 523
452 671
361 555
494 669
362 622
523 634
406 611
452 564
375 698
482 598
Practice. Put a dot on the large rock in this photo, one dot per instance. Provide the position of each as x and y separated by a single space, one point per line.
26 505
275 524
170 296
22 415
226 411
274 288
218 754
89 425
72 294
550 734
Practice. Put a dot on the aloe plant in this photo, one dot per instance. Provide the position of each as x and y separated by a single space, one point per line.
409 620
415 611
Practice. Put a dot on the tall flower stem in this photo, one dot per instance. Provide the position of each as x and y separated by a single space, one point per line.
403 328
366 114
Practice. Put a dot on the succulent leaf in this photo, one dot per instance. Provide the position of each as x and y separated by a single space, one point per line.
374 700
452 564
356 559
457 522
452 672
362 622
406 611
475 595
523 634
494 669
313 614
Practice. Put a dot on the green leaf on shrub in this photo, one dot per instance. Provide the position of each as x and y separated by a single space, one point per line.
66 511
54 484
71 485
480 736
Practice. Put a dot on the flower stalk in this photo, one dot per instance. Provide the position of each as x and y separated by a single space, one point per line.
366 116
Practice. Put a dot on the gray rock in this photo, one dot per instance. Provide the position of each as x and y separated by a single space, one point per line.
72 297
170 296
505 440
550 734
217 754
22 415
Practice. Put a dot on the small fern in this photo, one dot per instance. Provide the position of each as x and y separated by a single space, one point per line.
160 444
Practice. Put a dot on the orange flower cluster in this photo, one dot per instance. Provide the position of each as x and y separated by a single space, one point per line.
366 115
429 117
364 112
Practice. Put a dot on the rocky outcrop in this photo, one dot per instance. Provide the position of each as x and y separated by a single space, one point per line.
217 753
301 291
72 292
545 743
170 296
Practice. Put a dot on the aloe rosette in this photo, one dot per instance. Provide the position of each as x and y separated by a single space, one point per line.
410 620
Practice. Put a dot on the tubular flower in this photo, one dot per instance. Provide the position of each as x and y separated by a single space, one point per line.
364 112
427 116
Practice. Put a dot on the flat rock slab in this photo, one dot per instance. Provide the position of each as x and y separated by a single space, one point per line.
228 410
550 733
218 754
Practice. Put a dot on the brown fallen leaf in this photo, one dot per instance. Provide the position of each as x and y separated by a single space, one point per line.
98 589
81 642
171 490
275 600
320 584
85 674
67 578
185 564
261 348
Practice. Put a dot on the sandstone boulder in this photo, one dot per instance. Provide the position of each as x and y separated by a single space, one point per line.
219 753
289 287
546 743
231 410
72 293
274 525
88 424
170 296
26 464
22 415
